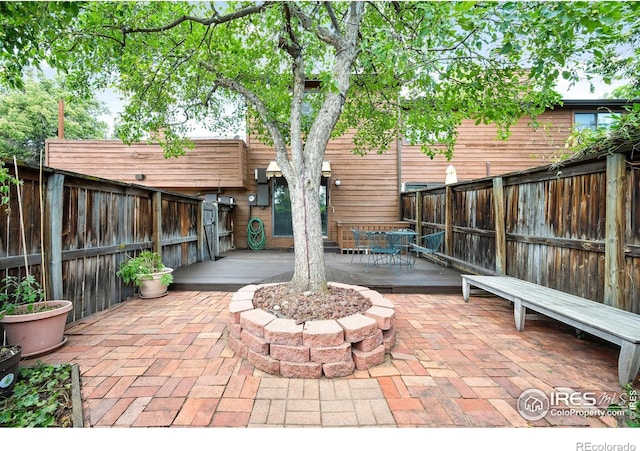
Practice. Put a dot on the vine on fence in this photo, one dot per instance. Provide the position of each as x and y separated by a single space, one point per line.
6 180
623 133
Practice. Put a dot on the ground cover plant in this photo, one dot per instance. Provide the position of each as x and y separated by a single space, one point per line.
41 398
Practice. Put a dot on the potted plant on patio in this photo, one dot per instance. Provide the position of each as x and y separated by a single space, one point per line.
148 272
29 320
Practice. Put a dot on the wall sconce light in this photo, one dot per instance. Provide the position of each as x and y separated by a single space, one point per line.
140 177
337 182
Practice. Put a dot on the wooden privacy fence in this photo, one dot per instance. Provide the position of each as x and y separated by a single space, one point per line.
573 227
88 226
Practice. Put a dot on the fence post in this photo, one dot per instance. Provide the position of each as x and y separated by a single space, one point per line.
448 221
615 232
216 231
419 212
201 231
499 218
53 237
156 208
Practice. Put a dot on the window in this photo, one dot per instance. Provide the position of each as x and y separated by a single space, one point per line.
282 223
414 186
594 120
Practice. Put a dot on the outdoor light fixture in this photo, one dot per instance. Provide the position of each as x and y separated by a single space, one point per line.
273 170
337 182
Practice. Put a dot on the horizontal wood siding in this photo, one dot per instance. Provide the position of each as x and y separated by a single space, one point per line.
369 189
211 164
370 185
480 153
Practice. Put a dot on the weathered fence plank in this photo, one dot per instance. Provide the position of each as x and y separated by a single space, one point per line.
615 221
53 243
90 226
574 227
501 239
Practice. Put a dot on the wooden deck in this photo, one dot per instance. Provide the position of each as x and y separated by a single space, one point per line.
243 267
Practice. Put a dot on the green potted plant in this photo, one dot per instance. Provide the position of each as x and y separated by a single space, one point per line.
148 272
29 320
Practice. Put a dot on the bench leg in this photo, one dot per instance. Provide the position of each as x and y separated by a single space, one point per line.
628 363
519 314
465 290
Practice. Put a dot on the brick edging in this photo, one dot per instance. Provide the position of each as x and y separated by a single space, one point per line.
330 348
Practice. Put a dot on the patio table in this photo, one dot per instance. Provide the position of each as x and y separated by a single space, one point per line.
391 247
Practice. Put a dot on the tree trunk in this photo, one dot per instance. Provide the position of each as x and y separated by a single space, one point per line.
304 174
309 271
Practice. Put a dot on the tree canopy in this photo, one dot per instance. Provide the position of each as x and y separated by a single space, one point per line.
436 62
29 116
25 28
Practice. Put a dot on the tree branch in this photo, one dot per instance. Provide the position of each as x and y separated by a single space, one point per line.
326 36
292 47
215 19
254 100
332 16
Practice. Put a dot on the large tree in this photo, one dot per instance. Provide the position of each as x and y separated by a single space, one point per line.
382 68
29 116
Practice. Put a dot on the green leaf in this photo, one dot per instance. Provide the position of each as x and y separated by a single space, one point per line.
506 48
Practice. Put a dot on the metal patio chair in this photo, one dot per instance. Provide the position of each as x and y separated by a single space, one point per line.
405 237
360 243
427 244
383 247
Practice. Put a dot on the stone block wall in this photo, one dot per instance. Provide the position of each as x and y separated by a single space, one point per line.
330 348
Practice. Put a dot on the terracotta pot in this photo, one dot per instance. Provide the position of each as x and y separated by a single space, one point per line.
9 367
153 288
39 332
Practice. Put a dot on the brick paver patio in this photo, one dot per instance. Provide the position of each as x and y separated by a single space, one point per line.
165 362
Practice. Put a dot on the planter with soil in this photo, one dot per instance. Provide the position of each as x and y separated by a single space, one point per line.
42 330
312 336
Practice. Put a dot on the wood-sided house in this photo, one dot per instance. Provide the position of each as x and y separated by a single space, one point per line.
357 189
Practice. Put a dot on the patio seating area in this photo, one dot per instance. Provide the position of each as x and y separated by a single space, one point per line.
165 362
388 247
239 268
395 248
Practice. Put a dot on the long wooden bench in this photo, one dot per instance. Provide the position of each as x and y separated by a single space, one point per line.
609 323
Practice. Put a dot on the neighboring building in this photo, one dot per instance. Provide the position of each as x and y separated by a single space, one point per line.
356 188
